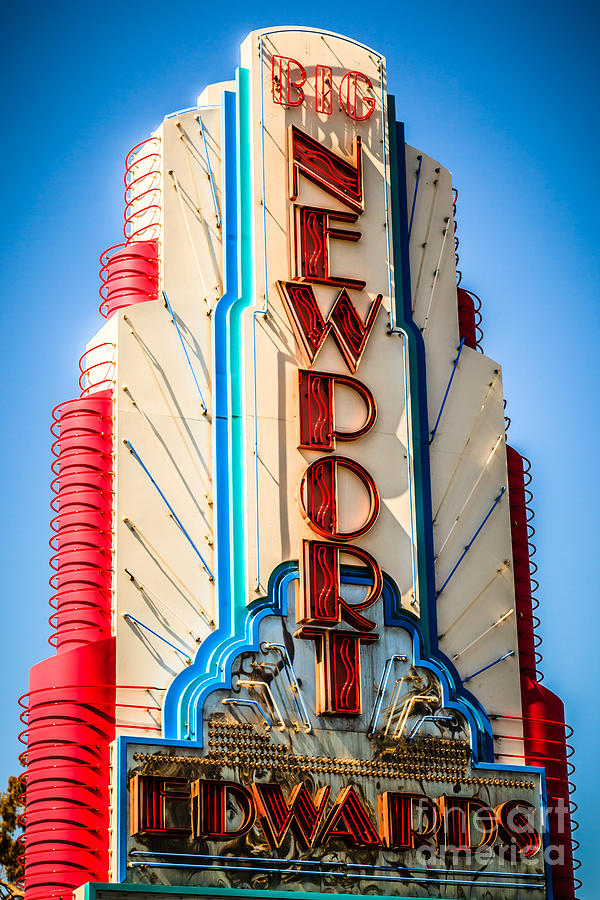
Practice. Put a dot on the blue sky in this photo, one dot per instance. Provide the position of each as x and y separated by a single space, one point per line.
505 96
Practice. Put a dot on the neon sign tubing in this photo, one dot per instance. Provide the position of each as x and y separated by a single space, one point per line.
451 881
435 277
417 726
127 615
412 212
407 709
289 705
174 321
134 453
260 312
499 621
296 692
235 701
477 597
471 492
470 544
395 697
346 865
263 684
467 442
409 466
383 682
210 172
437 421
187 109
489 665
144 589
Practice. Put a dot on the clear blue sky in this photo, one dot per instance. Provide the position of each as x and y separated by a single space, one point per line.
504 95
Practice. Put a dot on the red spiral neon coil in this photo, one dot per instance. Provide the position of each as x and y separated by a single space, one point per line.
129 271
544 730
87 383
69 726
140 199
469 318
68 735
82 526
129 275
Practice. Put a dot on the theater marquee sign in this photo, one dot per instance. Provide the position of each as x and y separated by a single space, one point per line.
319 741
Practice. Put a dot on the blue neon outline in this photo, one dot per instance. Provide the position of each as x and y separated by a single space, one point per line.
238 623
185 696
275 603
179 706
454 695
417 379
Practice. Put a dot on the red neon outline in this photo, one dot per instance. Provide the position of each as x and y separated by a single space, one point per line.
343 321
209 809
319 600
338 692
358 827
526 843
329 171
149 796
349 104
317 409
323 89
311 241
396 820
319 486
456 820
279 80
299 812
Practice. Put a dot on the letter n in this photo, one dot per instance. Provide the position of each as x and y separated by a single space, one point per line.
332 173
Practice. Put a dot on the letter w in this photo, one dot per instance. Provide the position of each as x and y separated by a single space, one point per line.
300 812
311 329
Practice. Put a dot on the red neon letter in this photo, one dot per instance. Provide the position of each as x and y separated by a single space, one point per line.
458 827
319 506
282 83
516 827
399 818
312 234
349 821
347 328
152 809
323 93
300 812
332 173
317 419
337 655
319 600
349 96
209 809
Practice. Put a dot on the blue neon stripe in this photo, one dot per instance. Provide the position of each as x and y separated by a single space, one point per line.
449 385
181 713
174 515
175 722
187 356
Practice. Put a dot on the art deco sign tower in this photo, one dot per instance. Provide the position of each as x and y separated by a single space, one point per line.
293 604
